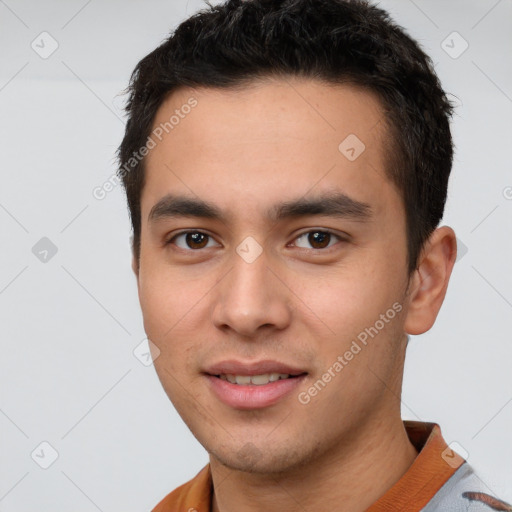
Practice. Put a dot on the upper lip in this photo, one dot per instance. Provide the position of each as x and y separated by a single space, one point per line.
233 367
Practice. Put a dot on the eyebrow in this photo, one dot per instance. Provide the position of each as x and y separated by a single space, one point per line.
332 205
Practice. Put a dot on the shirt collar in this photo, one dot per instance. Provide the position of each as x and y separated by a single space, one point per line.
433 466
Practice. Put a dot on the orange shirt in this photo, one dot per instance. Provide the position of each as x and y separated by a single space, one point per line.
428 477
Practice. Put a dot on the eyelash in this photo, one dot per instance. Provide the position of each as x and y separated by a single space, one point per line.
324 231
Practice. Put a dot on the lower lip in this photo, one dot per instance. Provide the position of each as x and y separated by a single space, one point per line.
251 396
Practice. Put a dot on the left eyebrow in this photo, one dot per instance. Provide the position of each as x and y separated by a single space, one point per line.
332 205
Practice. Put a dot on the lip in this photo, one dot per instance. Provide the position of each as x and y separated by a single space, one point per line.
251 396
233 367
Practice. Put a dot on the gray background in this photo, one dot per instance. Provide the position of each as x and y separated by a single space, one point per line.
70 321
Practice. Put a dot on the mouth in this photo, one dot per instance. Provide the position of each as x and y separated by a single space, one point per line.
256 380
246 386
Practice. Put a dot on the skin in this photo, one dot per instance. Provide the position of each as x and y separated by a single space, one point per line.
244 151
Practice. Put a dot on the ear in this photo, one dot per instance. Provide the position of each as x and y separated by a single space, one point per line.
429 281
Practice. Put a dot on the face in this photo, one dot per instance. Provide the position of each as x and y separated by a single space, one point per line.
273 269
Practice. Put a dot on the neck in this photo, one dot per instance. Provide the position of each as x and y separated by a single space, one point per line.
355 475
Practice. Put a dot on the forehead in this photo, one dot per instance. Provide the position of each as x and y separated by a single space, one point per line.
267 142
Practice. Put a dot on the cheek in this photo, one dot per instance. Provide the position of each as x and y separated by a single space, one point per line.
169 327
166 299
174 309
349 299
161 318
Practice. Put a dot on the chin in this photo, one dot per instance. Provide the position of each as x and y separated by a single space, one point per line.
250 460
263 458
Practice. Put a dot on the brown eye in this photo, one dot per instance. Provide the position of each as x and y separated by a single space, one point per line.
317 239
196 240
191 240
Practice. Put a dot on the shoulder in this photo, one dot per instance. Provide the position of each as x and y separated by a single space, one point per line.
466 492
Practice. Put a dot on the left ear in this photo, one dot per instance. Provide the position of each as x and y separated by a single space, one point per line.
429 282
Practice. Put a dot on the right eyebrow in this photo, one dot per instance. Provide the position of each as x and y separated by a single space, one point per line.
171 206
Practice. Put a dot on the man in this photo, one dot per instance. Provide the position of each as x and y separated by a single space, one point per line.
286 167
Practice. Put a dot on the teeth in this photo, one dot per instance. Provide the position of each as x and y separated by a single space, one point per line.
243 379
260 379
257 380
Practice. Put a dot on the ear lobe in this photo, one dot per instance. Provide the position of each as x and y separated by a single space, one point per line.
430 281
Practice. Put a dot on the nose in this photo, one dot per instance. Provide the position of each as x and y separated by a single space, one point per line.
252 297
